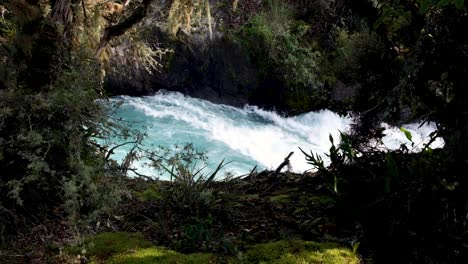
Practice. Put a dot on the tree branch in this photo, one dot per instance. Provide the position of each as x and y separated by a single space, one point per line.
84 10
284 163
120 28
111 151
149 178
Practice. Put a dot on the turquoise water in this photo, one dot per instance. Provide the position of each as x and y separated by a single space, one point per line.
246 137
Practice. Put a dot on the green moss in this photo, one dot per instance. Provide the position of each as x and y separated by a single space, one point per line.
285 191
105 245
280 252
151 192
155 255
321 199
130 248
282 198
297 251
249 197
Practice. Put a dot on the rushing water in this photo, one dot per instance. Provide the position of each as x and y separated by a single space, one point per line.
246 136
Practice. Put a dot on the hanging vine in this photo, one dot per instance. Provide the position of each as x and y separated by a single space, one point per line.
184 14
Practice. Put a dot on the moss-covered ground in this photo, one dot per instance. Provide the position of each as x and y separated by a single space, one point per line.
132 248
262 218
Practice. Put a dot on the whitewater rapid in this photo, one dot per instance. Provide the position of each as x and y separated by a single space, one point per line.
246 137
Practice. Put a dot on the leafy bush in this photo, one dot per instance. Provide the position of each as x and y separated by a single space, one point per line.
280 46
357 52
186 205
189 185
359 61
51 166
397 200
339 156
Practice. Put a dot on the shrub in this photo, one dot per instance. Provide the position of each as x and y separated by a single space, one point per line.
280 46
397 200
181 212
189 185
357 52
51 166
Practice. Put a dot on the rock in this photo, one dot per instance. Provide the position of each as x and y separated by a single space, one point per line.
341 92
217 70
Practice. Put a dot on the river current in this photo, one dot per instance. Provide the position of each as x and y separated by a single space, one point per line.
246 137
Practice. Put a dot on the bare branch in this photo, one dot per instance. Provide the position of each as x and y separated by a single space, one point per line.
284 163
111 151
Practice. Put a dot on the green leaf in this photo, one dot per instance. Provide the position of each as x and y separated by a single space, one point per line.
211 178
442 3
355 247
444 76
171 172
459 4
335 184
407 134
392 167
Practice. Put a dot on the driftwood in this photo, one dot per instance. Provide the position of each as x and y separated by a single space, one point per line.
284 163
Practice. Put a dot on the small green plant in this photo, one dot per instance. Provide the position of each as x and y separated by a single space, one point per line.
408 135
197 235
187 202
355 247
183 166
338 155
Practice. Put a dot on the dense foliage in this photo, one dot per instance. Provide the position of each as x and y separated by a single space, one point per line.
51 166
392 60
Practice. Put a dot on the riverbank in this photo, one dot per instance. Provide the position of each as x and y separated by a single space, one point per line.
363 203
236 220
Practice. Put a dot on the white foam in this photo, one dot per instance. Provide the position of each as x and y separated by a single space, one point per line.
250 135
420 136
